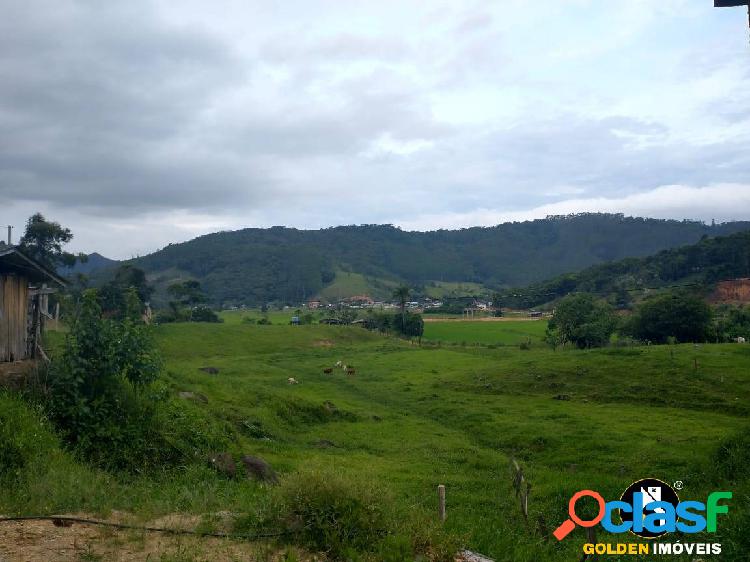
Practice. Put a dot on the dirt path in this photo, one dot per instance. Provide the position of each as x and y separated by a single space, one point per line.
42 541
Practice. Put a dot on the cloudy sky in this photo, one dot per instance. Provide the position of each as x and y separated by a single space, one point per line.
143 122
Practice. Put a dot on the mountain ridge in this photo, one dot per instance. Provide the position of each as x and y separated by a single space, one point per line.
701 266
287 265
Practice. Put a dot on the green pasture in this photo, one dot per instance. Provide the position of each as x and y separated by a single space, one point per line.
282 317
414 417
506 332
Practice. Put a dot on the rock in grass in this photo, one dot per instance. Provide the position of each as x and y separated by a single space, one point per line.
469 556
258 469
209 370
224 464
197 396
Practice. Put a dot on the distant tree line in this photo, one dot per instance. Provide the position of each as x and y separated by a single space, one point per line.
676 316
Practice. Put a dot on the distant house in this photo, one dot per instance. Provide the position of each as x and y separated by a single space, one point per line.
23 302
313 304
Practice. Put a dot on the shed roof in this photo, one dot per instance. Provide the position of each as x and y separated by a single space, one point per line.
12 260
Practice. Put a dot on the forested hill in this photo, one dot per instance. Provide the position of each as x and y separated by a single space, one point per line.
95 262
697 266
281 264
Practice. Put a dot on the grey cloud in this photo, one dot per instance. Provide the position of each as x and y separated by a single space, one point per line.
97 104
290 48
113 110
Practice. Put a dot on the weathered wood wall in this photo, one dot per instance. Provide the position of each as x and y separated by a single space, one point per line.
14 292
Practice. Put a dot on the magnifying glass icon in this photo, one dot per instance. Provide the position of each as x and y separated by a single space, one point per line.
569 524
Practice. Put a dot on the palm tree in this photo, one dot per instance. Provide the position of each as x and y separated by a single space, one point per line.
402 294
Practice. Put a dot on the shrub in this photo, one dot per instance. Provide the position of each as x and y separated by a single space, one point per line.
734 322
203 313
677 314
409 324
581 320
332 514
100 395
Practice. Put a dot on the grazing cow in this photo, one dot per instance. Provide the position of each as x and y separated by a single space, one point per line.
350 371
292 380
328 371
739 339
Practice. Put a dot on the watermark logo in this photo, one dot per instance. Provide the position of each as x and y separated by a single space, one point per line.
648 508
653 492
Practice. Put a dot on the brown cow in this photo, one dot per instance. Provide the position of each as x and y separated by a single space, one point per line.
328 371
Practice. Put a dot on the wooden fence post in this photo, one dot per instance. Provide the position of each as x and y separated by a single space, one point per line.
441 502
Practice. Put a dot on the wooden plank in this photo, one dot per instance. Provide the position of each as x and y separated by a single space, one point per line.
3 322
23 307
14 292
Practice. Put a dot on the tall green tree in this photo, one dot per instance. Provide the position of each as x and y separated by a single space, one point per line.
401 294
677 314
187 293
581 320
126 277
43 242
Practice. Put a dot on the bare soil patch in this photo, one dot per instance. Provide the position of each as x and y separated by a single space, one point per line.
42 541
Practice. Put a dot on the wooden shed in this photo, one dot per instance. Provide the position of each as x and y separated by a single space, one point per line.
23 282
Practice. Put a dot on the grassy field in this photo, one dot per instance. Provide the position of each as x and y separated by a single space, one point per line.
412 418
510 332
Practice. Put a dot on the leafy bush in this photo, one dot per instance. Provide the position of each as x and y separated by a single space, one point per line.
204 314
734 322
677 314
409 324
100 395
354 520
581 320
332 514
